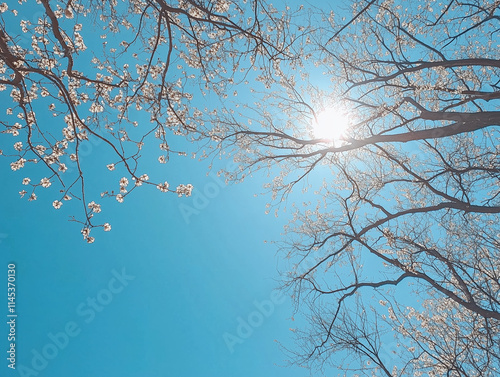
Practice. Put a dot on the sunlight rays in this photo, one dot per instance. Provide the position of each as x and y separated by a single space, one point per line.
330 124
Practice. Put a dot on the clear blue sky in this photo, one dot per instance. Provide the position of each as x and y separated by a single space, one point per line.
191 283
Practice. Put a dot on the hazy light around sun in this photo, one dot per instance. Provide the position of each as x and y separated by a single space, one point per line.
330 124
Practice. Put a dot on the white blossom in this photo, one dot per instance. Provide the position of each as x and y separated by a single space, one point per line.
163 187
19 164
184 190
123 182
45 182
96 208
18 146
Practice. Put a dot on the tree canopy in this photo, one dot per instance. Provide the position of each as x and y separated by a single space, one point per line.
400 241
154 59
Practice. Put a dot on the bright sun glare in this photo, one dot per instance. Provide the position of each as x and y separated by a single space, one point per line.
330 124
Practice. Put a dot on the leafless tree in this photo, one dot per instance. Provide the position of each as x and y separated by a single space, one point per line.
403 243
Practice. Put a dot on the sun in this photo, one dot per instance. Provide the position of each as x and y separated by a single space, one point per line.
330 124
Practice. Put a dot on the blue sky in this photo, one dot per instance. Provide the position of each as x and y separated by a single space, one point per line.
191 282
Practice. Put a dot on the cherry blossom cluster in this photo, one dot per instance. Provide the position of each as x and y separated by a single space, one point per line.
142 84
184 190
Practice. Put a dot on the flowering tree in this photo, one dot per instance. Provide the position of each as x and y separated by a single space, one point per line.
396 259
147 61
